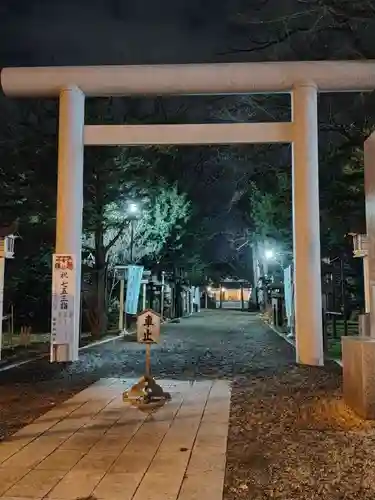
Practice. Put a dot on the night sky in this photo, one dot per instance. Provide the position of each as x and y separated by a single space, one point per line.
57 32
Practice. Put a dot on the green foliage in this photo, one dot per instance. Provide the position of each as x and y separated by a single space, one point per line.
115 177
271 211
162 210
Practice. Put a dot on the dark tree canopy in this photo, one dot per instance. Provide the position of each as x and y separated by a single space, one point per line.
209 204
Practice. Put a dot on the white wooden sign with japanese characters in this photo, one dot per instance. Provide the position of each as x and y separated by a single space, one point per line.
63 278
148 327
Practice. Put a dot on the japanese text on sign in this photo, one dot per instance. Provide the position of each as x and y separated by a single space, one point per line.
148 327
147 332
62 298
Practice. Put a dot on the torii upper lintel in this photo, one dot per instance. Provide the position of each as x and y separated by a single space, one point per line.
190 79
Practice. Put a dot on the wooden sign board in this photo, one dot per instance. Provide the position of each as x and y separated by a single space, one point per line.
148 327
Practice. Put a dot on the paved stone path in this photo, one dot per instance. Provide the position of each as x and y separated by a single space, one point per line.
95 445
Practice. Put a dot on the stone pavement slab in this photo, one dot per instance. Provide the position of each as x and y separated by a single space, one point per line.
94 444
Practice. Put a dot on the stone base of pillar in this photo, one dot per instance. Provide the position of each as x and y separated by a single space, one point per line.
358 358
61 354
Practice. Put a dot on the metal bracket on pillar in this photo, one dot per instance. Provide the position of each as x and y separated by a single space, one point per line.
361 246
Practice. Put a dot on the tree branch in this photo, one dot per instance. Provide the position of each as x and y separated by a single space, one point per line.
265 45
117 236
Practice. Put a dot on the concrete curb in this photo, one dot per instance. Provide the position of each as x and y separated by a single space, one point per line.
282 335
17 364
104 341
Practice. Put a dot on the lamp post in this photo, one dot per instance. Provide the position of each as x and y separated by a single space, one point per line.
222 296
270 256
208 290
131 240
279 258
133 213
162 292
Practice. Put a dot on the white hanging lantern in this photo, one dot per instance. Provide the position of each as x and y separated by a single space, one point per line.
7 246
360 245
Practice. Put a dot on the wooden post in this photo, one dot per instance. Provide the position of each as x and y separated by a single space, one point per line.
11 323
162 294
2 274
148 359
122 303
144 292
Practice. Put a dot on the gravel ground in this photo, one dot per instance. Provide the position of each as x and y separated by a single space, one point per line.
290 436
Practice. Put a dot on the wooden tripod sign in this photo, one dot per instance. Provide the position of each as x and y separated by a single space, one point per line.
148 332
146 394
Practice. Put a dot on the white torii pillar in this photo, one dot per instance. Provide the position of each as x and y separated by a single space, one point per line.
70 201
306 226
369 164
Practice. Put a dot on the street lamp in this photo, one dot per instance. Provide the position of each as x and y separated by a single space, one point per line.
133 208
132 214
269 254
277 257
222 295
208 292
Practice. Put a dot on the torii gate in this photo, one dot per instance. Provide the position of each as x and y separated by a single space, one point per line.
303 80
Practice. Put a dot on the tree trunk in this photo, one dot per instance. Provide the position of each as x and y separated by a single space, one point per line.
97 301
100 282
